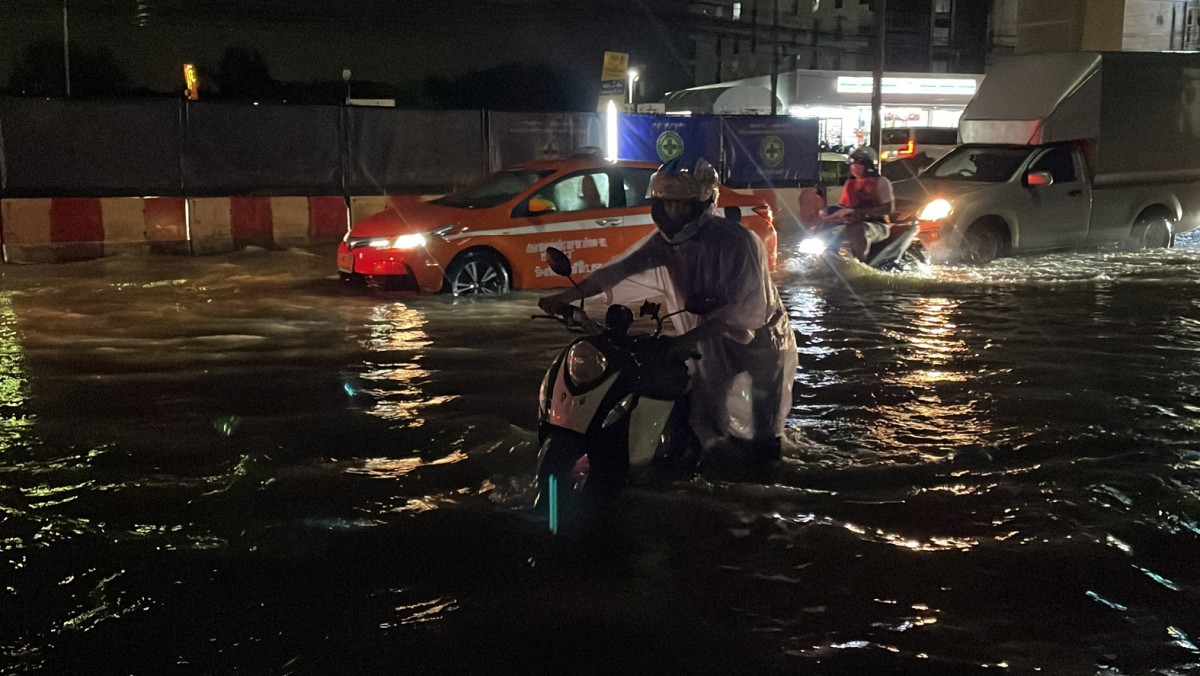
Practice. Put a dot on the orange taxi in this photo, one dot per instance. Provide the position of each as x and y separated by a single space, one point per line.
492 237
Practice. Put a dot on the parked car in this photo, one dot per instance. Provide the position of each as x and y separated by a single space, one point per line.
492 237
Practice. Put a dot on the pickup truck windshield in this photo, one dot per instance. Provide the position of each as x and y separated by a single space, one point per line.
980 164
495 189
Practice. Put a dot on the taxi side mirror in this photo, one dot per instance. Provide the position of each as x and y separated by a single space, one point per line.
541 205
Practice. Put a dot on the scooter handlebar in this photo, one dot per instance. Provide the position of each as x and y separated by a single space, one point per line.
575 319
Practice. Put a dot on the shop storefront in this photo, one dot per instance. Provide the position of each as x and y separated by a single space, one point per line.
841 100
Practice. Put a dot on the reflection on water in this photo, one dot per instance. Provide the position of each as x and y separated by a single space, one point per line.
396 333
993 469
15 422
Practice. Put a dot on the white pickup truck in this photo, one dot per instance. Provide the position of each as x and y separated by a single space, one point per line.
1066 151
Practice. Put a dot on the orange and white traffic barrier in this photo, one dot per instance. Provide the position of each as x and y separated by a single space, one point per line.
51 230
55 230
220 224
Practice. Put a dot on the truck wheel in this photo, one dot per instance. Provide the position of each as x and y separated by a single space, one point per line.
983 244
477 273
1153 231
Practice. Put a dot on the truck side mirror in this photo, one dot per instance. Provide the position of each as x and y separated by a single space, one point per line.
1039 179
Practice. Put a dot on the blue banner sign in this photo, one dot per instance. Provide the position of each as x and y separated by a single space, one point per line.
749 151
662 138
762 151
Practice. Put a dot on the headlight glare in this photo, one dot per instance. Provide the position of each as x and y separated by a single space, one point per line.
812 246
585 364
413 240
935 210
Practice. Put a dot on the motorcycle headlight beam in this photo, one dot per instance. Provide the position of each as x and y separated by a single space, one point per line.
812 246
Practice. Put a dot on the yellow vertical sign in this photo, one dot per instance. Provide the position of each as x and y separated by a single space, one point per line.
612 80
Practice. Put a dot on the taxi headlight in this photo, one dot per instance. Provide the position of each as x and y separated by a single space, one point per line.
585 364
413 240
935 210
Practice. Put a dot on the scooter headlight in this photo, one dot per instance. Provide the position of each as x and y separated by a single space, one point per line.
585 364
812 246
935 210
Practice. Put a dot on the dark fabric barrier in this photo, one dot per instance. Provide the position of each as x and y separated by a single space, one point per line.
54 148
769 152
521 137
661 138
239 149
395 151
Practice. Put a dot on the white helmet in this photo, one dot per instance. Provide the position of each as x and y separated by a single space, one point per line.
671 182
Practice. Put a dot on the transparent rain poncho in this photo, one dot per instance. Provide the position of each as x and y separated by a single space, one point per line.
742 383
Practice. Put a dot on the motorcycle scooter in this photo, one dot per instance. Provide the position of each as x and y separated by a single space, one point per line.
899 252
611 406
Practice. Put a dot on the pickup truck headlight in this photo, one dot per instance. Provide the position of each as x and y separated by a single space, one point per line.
935 210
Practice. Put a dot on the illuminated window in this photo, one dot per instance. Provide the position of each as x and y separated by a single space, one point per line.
737 11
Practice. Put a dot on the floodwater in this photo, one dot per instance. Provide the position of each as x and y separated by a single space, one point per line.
237 465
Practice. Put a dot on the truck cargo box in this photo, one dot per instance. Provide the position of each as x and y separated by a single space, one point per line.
1140 110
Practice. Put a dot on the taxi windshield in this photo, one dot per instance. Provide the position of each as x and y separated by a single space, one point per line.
495 189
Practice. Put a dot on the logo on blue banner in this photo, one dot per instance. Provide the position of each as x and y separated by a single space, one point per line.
771 151
668 146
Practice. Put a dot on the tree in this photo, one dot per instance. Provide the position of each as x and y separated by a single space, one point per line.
243 74
39 71
519 87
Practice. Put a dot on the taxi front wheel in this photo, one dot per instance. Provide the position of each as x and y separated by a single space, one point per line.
477 273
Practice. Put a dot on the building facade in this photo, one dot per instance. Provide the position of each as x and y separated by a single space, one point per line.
1030 26
737 39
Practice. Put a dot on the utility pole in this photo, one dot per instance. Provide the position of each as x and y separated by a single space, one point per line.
66 51
877 77
775 63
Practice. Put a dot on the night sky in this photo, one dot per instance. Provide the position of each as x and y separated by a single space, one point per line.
379 41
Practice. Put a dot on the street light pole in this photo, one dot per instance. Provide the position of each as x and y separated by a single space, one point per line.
66 51
877 77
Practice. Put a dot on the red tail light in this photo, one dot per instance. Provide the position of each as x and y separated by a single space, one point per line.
765 211
908 150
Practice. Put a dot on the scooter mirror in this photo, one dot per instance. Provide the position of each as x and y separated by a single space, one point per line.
559 263
703 305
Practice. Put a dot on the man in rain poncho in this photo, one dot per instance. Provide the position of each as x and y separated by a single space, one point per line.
741 385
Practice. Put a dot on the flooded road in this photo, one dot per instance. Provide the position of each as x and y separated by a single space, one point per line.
237 465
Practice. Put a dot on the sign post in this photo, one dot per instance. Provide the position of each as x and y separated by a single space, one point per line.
612 81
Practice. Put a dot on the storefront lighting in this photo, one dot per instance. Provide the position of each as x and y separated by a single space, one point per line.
908 85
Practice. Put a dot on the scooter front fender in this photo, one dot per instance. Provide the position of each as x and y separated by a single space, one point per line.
646 425
575 412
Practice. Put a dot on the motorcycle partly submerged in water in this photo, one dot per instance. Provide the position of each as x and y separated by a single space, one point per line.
900 251
612 406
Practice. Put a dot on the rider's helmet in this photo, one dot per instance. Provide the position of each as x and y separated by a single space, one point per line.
865 155
671 182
